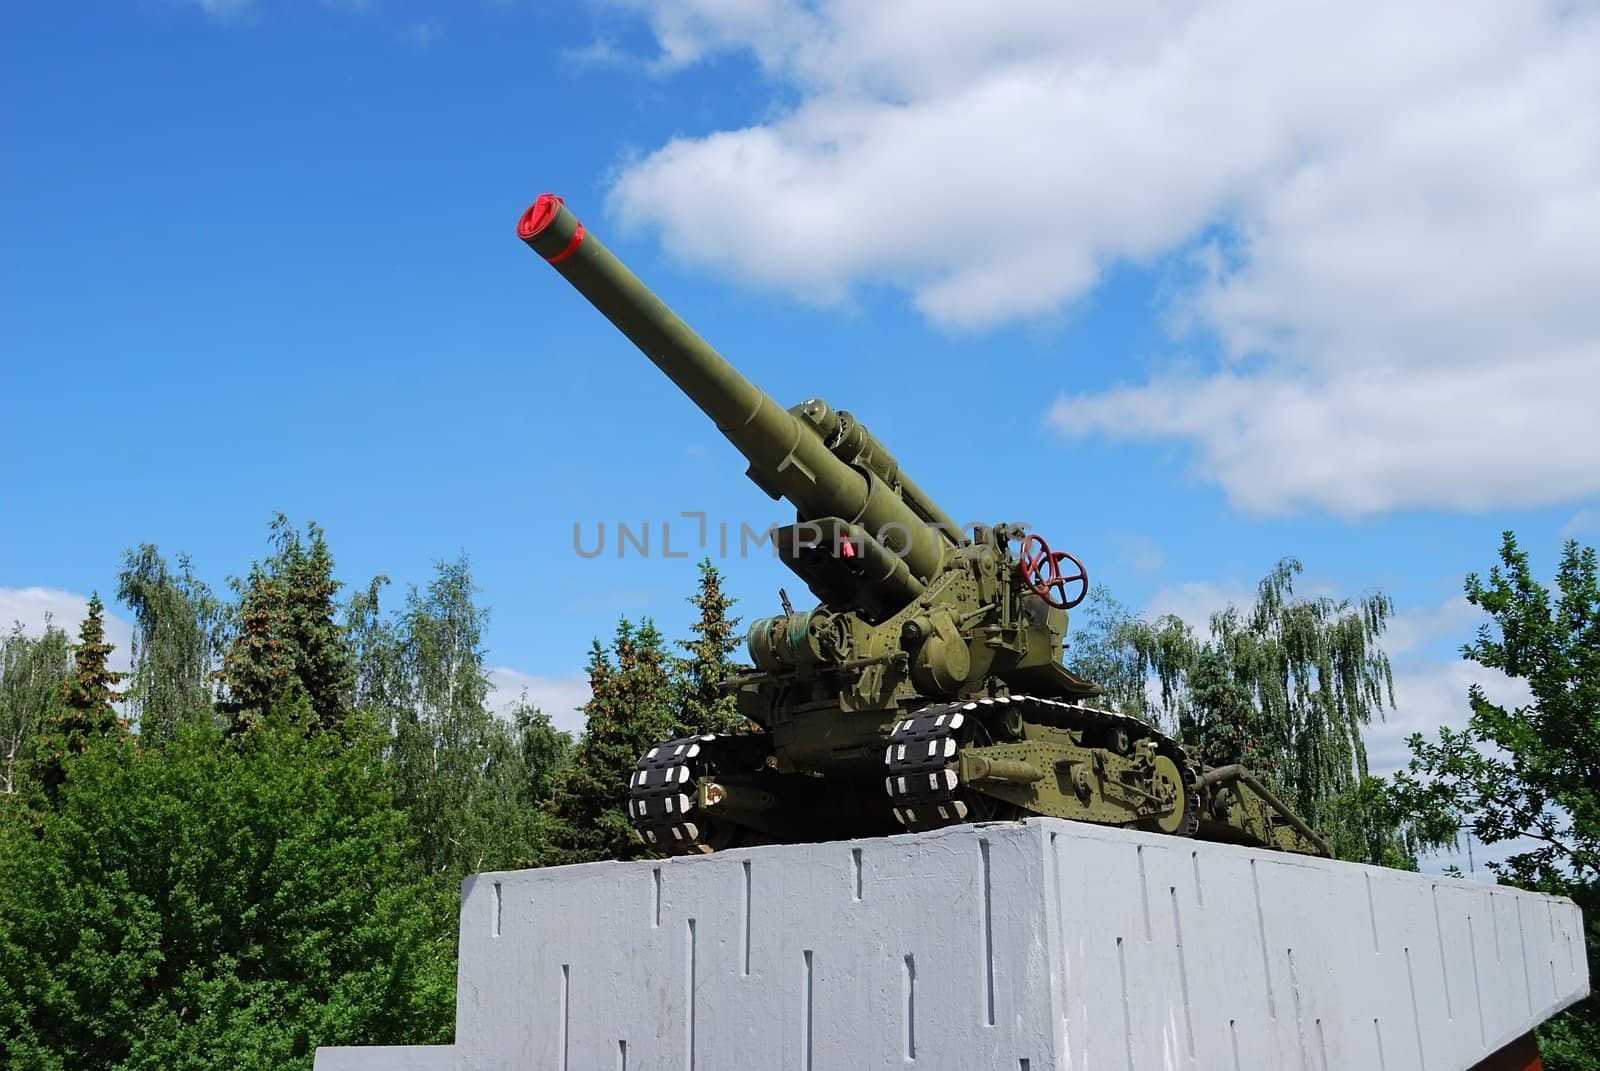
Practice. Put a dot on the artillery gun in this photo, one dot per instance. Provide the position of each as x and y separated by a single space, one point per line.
927 688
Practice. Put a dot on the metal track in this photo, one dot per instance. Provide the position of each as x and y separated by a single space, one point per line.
661 796
923 751
663 791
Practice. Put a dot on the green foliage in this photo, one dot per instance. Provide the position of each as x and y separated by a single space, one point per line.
1530 772
640 696
442 739
234 899
542 749
1571 1041
377 684
32 671
84 713
178 626
217 905
1365 825
629 710
1526 772
90 689
1104 650
1223 721
1284 687
471 783
285 639
702 705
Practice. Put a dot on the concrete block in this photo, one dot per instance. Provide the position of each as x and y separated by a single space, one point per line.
388 1057
1029 946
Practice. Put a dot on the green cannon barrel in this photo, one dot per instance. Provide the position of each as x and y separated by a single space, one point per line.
788 457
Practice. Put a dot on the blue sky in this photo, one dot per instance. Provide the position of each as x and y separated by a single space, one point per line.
1187 292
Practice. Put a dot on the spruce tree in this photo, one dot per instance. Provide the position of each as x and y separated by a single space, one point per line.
84 713
629 711
286 640
702 705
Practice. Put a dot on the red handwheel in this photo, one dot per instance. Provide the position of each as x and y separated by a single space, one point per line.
1041 568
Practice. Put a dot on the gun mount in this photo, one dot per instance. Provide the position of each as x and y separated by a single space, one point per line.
927 687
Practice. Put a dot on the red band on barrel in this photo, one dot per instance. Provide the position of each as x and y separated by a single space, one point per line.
572 247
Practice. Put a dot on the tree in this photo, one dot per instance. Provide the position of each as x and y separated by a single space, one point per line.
32 670
84 713
702 705
178 624
1529 773
377 685
1104 649
445 740
285 639
629 710
543 749
217 904
1285 687
471 783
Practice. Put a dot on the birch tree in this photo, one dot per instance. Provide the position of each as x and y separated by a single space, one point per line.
178 627
32 669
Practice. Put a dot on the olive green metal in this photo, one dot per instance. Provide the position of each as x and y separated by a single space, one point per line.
852 442
927 686
1221 776
980 766
788 456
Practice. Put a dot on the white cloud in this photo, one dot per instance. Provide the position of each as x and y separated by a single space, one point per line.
1194 601
1388 213
559 697
1429 695
1431 680
1415 628
33 608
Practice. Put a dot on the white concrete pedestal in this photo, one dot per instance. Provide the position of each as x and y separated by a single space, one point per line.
1016 946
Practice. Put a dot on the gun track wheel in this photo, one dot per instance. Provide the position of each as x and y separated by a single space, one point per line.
664 793
1184 818
923 782
923 759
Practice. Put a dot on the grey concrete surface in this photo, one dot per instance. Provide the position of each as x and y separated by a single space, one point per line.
389 1058
1021 946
